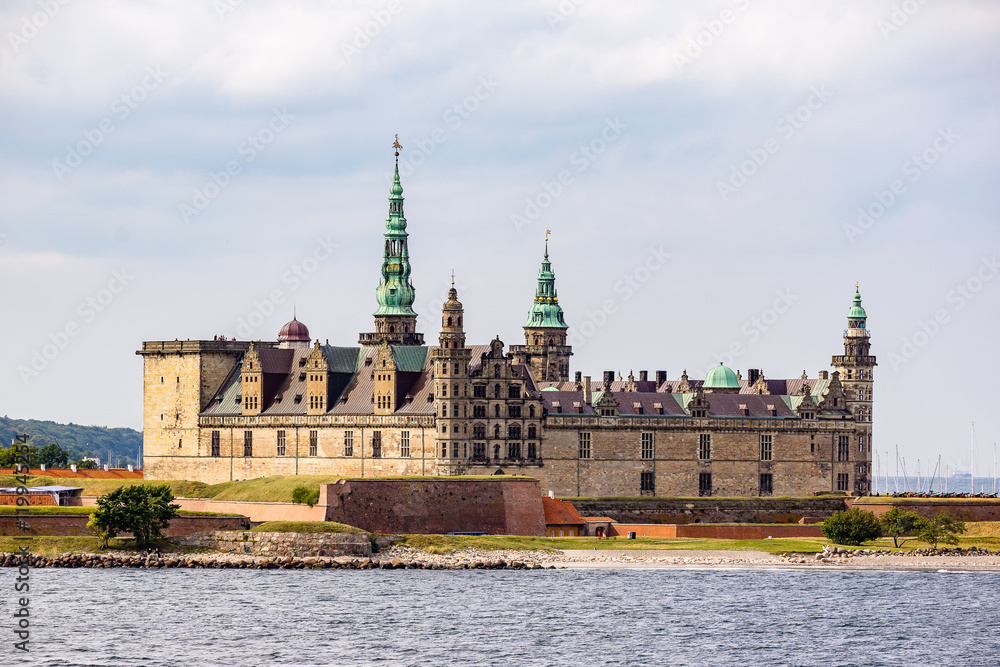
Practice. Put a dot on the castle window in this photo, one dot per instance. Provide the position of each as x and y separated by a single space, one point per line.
514 411
479 411
479 391
532 451
861 443
496 431
646 451
765 447
478 451
313 443
444 450
454 450
444 409
513 450
514 431
496 370
404 444
584 445
376 444
705 484
496 410
247 443
455 429
531 411
646 482
514 391
215 443
532 431
348 443
766 485
843 448
449 321
459 320
812 444
281 443
705 446
455 390
444 388
843 481
479 432
496 391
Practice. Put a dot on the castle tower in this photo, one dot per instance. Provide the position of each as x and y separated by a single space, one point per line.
395 321
317 381
252 381
385 377
451 387
545 350
856 368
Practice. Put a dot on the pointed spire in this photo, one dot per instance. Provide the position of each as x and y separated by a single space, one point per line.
546 311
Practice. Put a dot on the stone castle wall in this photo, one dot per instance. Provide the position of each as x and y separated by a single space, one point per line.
75 525
709 510
281 544
964 509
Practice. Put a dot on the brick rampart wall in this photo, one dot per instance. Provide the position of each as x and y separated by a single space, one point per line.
964 509
75 525
709 510
716 532
440 505
256 512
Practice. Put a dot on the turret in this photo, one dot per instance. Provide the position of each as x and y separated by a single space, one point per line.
545 350
451 387
856 368
252 381
395 320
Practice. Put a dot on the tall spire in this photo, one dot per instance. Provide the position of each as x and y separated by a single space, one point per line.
546 311
395 319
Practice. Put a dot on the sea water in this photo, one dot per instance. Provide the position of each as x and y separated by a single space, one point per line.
549 617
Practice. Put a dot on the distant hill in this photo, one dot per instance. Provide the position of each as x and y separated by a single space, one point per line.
124 443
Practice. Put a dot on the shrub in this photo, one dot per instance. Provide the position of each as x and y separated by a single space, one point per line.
302 494
942 528
851 527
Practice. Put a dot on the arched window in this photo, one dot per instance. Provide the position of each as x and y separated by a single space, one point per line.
550 342
514 431
496 430
532 431
460 321
531 412
392 329
496 370
496 411
496 391
449 321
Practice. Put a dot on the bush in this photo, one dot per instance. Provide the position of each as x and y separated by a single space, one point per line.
942 528
302 494
851 527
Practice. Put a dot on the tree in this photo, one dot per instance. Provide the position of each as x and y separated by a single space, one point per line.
53 456
10 456
942 528
853 527
143 511
84 465
898 523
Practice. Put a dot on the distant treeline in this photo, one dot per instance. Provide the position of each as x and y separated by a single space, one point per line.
78 441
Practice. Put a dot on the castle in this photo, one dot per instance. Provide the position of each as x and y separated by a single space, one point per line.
225 410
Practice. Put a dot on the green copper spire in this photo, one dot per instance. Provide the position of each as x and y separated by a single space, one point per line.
546 311
395 293
857 313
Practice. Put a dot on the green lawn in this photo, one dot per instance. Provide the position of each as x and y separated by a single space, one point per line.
51 546
442 544
305 527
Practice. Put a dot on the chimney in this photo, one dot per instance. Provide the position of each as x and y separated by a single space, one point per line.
609 377
661 377
105 467
643 376
130 468
587 396
824 375
72 467
579 374
552 494
752 375
42 467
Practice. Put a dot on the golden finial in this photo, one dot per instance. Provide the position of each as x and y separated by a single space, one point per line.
397 146
453 277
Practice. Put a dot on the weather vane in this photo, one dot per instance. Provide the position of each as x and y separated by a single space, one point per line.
453 277
397 145
547 232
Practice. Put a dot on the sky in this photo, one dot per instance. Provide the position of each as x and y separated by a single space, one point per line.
717 177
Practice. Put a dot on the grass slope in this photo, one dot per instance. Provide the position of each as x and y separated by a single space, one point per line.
304 527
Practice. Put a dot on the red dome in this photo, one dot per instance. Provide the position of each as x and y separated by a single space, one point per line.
294 331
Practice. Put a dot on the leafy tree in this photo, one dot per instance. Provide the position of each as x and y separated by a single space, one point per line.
302 494
898 523
141 510
84 465
53 456
10 456
853 527
942 528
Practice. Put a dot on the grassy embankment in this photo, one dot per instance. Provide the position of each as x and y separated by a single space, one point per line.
304 527
888 500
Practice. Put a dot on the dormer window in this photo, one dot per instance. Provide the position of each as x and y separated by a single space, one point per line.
577 406
744 410
658 407
638 408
